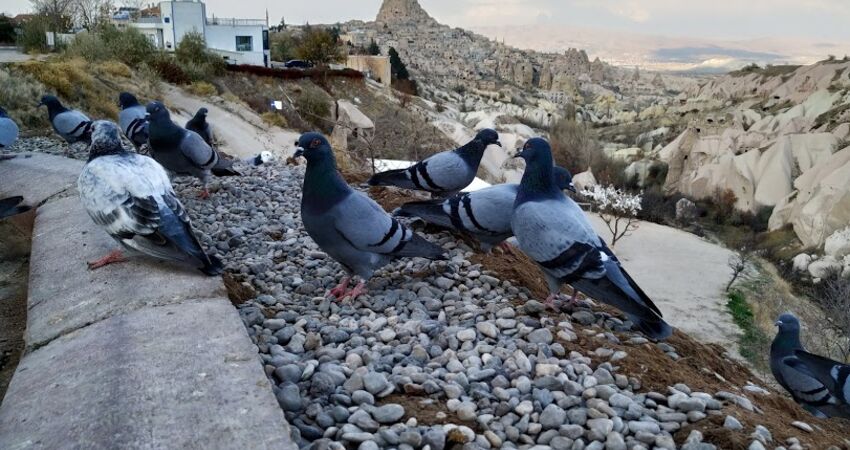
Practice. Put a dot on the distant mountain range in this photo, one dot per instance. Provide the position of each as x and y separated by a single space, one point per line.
655 52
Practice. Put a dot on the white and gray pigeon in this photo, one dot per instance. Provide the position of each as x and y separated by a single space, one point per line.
552 230
799 378
833 374
482 213
198 123
442 174
182 151
131 197
133 119
71 124
8 130
348 225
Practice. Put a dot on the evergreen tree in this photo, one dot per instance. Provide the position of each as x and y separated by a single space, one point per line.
373 48
397 67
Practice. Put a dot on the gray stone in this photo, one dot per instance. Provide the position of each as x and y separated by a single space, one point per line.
552 417
375 382
389 413
435 437
540 336
732 424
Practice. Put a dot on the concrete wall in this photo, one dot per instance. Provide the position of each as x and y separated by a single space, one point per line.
375 67
222 39
141 354
184 17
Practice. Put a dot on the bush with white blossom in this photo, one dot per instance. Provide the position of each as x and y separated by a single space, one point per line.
617 208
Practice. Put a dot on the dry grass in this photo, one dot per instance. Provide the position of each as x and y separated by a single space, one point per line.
202 89
274 119
18 95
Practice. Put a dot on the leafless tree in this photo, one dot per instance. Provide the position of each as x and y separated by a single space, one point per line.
137 5
833 294
58 13
92 13
745 254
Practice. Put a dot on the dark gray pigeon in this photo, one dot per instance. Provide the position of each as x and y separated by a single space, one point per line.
133 119
833 374
799 378
8 130
11 206
182 151
198 123
348 225
552 230
482 213
71 124
442 174
131 197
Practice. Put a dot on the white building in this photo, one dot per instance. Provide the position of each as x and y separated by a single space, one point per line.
238 41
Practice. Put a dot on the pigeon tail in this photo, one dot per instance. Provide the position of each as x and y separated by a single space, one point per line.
212 266
398 177
430 211
224 168
832 374
420 247
654 329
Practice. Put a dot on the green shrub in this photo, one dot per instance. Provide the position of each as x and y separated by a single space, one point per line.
18 92
202 89
129 46
168 69
32 37
198 63
753 342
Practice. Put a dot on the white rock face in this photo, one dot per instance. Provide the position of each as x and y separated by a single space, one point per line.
825 267
584 180
801 262
838 243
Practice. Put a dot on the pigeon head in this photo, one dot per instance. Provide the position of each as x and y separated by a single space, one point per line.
202 112
488 137
50 101
314 147
105 139
157 110
787 322
563 178
536 151
127 100
266 157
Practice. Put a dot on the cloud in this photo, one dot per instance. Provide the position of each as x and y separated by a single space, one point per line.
630 10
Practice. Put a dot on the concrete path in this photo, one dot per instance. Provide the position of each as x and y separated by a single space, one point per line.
135 355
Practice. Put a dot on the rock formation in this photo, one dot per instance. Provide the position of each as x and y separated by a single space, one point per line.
402 11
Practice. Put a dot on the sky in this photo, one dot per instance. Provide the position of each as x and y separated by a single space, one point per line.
708 19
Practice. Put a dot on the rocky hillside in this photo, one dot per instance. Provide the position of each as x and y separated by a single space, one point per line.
776 137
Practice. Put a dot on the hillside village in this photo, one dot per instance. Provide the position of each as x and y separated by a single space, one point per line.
739 191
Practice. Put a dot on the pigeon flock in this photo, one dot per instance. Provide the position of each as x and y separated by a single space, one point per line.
130 195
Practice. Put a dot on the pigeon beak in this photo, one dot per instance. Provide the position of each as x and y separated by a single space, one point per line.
572 188
778 323
299 151
498 143
518 153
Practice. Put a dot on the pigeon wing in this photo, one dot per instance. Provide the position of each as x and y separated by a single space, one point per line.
72 123
8 132
197 151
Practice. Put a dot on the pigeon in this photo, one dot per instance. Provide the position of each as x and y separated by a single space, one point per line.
199 125
264 157
800 379
11 206
553 231
443 174
8 130
131 197
71 124
833 374
133 119
480 213
348 225
182 151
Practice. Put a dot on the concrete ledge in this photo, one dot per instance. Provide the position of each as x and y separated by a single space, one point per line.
177 376
38 176
64 295
141 354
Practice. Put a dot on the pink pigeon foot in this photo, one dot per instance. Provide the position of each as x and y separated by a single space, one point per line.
507 248
338 292
114 257
205 194
550 301
357 291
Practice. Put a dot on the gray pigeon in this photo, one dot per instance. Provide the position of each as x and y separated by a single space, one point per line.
198 123
133 119
182 151
71 124
444 173
833 374
799 378
8 130
552 230
481 213
131 197
348 225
